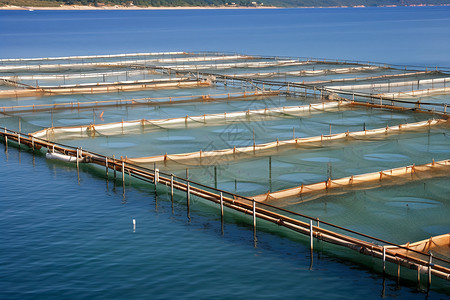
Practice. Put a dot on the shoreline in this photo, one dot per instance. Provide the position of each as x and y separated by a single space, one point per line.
121 7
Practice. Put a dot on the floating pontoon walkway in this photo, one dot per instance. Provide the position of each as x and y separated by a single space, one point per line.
399 255
315 85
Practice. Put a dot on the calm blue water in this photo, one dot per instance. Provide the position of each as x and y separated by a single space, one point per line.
394 35
66 238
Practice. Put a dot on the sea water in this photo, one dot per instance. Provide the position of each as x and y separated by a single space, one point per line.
70 235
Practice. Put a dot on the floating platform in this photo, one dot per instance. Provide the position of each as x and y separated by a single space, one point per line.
225 115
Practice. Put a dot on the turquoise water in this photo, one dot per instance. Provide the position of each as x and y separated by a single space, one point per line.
66 238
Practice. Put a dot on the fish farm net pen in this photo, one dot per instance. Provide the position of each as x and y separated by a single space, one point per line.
117 162
315 88
138 101
392 123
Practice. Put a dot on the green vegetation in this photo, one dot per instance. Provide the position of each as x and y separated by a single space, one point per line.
279 3
34 3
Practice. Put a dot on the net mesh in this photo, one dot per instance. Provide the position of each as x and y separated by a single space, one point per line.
312 144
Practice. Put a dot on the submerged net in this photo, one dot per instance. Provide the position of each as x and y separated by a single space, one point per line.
138 126
389 86
258 147
114 64
439 246
204 157
365 180
309 72
240 134
105 87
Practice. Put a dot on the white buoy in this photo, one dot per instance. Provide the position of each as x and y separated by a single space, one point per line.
134 225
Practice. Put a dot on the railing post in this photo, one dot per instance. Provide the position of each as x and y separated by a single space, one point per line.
429 269
106 167
123 172
171 190
156 176
215 177
171 186
270 173
221 205
114 162
418 276
384 259
254 214
77 158
311 234
188 195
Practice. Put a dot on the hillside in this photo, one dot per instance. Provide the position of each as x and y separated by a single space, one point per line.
171 3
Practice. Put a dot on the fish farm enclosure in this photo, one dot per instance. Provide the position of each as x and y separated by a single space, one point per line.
350 153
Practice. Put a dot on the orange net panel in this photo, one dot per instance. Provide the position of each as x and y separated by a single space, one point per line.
355 180
199 157
439 246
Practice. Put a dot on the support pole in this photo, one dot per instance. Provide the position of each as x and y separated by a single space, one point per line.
221 205
254 143
188 194
270 173
311 235
384 259
156 177
114 162
254 214
418 276
221 212
171 190
429 269
215 177
171 186
77 158
123 172
106 166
